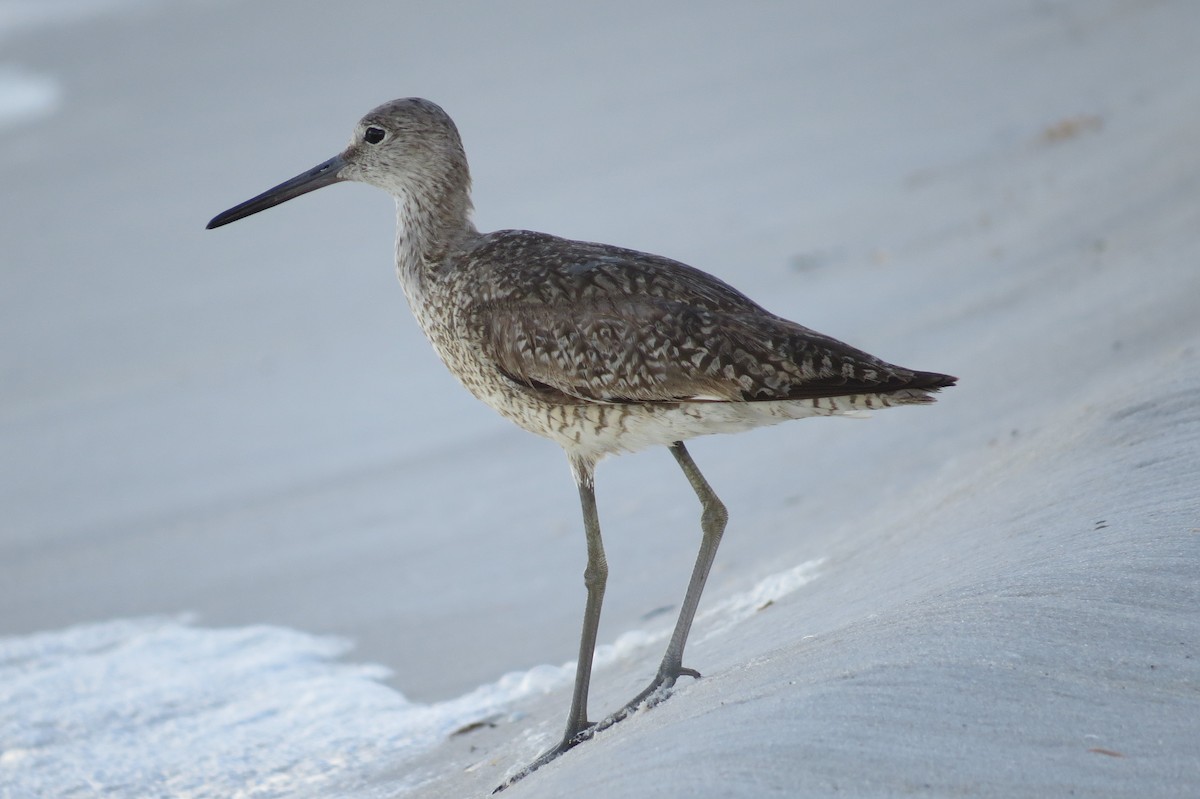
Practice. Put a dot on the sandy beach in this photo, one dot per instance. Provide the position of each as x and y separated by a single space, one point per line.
257 542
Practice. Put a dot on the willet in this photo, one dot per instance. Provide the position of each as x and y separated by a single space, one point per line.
601 349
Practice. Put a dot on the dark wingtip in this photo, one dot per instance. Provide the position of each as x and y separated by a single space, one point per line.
931 381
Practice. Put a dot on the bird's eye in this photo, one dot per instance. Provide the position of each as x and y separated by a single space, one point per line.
373 135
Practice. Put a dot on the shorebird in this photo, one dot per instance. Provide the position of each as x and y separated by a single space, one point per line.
602 349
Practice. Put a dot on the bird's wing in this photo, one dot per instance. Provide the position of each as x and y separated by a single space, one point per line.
592 323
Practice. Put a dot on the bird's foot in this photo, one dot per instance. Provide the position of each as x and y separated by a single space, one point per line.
567 743
658 690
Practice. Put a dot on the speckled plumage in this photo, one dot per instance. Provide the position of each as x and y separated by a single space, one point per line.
599 348
605 349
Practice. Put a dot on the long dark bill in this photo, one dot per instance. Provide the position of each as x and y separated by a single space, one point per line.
315 178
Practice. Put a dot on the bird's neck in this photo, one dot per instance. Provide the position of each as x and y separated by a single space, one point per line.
429 224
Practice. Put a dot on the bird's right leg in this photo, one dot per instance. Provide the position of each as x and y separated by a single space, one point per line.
594 578
713 519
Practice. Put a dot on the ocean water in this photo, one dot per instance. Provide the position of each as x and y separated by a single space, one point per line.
163 706
27 95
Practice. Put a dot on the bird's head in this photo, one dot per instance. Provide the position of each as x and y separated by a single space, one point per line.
409 148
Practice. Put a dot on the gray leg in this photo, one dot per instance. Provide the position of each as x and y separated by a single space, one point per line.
712 524
713 519
594 578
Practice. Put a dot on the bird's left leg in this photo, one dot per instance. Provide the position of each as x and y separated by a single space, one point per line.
594 578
